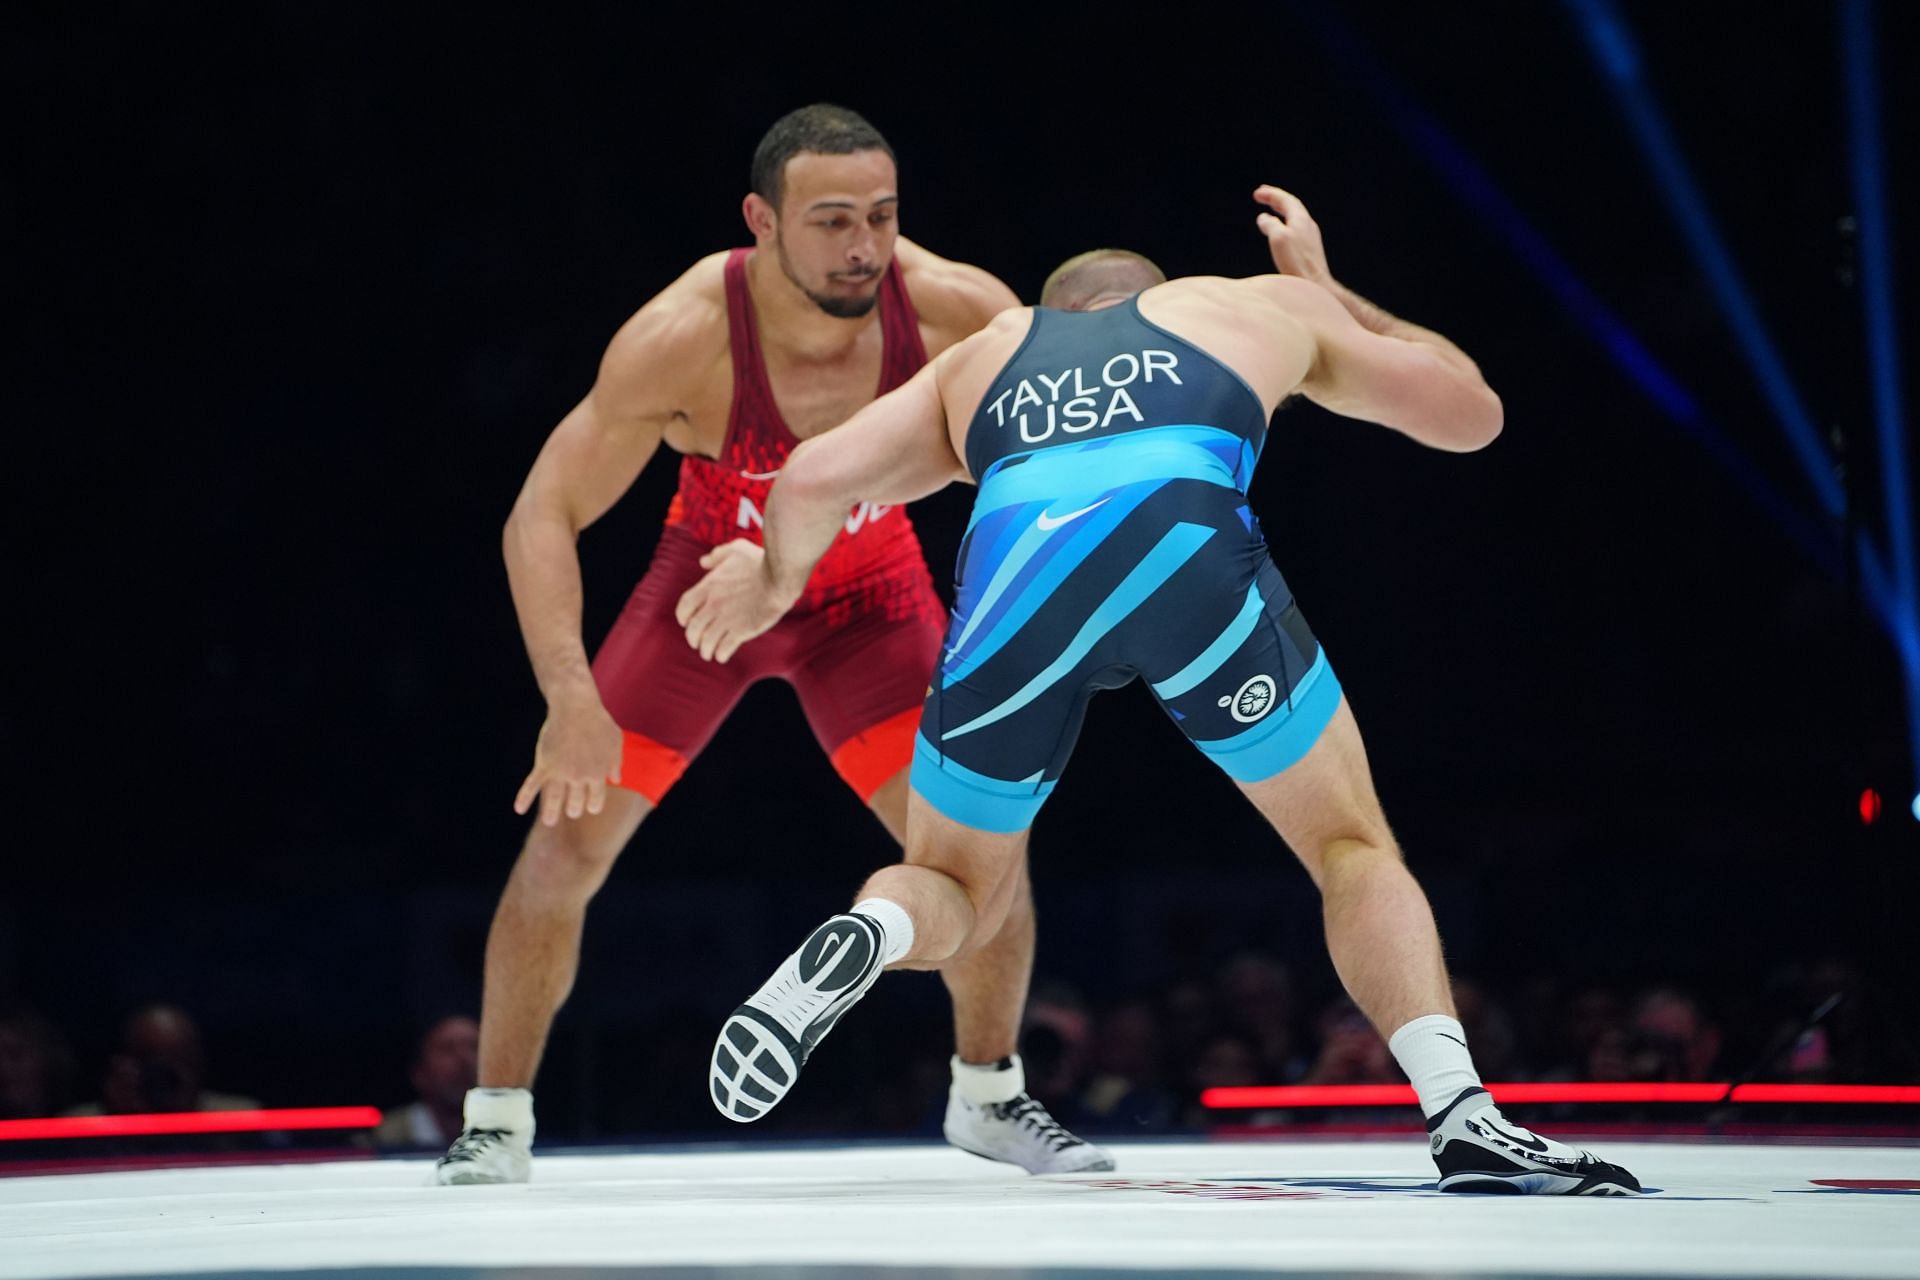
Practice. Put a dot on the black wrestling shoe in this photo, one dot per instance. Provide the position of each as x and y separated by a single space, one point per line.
766 1041
1478 1149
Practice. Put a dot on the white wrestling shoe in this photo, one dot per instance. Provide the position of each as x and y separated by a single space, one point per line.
766 1041
1478 1149
990 1115
1020 1131
497 1144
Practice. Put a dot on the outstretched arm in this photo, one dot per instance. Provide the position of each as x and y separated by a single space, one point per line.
893 451
1370 363
1293 238
1416 388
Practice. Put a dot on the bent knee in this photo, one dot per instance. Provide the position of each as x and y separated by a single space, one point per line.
1351 847
572 854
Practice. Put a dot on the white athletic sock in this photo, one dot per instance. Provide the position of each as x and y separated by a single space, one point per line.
501 1109
1433 1052
982 1083
896 926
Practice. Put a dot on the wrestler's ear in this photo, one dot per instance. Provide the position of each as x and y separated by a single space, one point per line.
760 216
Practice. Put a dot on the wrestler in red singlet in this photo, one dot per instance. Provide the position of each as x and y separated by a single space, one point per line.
857 648
731 366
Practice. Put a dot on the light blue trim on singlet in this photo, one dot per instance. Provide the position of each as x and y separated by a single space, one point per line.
1032 589
1218 652
1058 473
1279 741
1174 549
973 799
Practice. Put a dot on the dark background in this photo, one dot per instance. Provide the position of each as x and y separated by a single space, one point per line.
298 290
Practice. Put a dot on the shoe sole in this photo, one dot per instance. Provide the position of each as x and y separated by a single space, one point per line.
755 1062
1531 1184
474 1178
1103 1165
756 1059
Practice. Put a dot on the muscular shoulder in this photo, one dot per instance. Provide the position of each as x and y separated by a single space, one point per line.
967 368
954 299
668 345
1262 327
1300 298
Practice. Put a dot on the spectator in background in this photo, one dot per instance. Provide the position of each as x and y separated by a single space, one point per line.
1351 1051
1257 1000
446 1063
1127 1087
161 1066
1591 1035
36 1068
1058 1037
1671 1038
1190 1018
1841 1043
1227 1061
1496 1046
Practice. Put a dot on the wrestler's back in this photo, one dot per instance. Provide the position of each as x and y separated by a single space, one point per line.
1236 322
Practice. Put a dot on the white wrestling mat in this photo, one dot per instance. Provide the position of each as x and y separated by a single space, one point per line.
1300 1206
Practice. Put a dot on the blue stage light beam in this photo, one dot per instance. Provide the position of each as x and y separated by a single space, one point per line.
1613 48
1460 171
1456 166
1476 188
1867 154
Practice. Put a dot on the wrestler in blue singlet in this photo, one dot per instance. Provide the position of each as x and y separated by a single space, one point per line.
1111 538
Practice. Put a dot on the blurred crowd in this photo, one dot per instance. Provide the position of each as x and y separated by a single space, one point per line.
1129 1065
1143 1063
160 1064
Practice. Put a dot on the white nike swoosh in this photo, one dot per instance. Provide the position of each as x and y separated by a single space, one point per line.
1531 1141
760 475
837 942
1047 522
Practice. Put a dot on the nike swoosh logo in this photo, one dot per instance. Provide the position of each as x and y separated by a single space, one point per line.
1456 1039
1048 523
1530 1143
760 475
838 942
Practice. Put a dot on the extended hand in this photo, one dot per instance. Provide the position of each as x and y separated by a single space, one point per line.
1293 237
577 755
735 602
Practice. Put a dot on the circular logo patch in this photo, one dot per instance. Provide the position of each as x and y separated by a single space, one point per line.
1254 700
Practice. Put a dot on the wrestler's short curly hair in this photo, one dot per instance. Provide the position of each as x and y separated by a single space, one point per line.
822 128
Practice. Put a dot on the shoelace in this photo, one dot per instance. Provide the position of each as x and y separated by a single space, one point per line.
1029 1113
472 1144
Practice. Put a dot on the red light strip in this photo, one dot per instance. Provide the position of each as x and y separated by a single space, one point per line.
173 1122
1389 1095
1901 1093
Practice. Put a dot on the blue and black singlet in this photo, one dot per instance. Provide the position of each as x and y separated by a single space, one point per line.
1111 539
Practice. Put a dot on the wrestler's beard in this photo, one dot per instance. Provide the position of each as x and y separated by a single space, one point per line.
838 307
